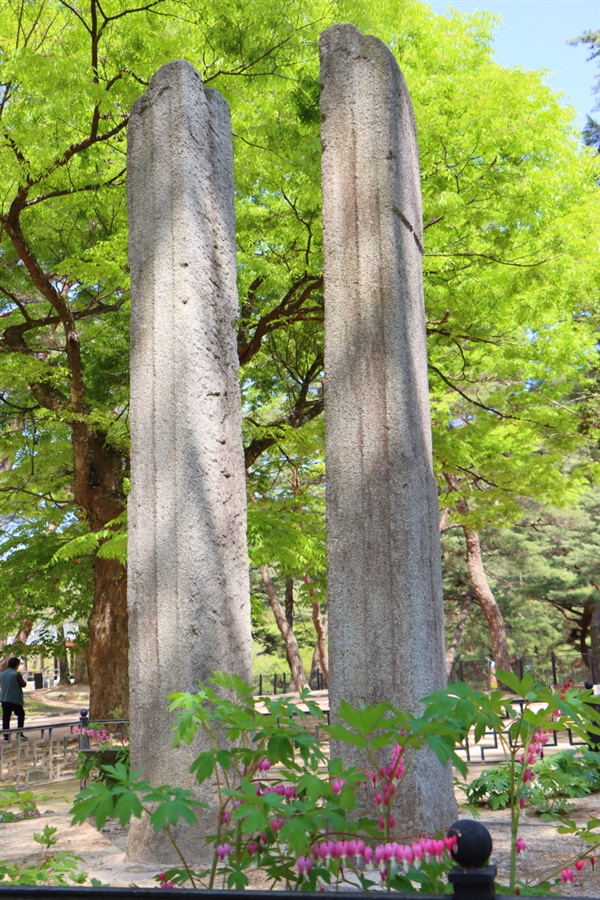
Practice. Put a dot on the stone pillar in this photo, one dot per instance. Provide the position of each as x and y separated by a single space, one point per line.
189 607
386 629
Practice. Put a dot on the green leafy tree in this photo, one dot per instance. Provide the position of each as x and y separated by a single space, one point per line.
70 74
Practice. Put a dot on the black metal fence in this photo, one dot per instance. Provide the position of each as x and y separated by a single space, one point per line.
282 683
549 670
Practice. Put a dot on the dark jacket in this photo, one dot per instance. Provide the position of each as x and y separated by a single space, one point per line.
11 687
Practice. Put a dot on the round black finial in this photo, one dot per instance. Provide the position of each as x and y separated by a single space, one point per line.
474 843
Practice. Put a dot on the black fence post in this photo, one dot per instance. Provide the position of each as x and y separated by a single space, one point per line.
472 879
84 724
260 684
591 665
473 884
274 684
554 675
461 671
520 661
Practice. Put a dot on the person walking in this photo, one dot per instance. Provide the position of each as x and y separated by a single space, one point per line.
11 696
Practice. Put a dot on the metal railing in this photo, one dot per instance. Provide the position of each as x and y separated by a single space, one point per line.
45 753
49 752
550 670
282 683
52 750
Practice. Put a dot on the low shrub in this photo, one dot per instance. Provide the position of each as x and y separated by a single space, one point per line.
304 821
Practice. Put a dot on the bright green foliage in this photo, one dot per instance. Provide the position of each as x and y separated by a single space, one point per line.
521 734
566 774
492 787
274 822
52 867
15 805
286 510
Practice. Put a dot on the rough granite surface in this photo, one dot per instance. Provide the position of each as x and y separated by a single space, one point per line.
189 606
386 626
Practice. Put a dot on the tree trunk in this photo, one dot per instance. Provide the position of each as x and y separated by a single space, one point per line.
321 632
63 660
319 657
108 649
487 601
458 631
80 668
289 600
63 667
480 584
107 656
592 608
291 644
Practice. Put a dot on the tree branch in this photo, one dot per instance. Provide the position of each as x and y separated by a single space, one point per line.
280 315
301 414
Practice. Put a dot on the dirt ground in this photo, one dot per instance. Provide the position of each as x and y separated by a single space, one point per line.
60 700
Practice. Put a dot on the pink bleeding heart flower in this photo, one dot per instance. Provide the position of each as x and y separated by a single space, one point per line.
417 851
304 864
389 851
223 851
409 857
580 864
